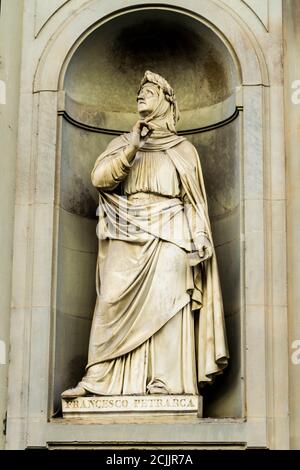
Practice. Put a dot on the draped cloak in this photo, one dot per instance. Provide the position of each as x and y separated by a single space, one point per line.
121 328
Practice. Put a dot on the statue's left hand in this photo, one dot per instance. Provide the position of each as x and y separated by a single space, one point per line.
204 248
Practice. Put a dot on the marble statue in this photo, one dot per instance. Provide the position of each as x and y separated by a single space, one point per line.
158 325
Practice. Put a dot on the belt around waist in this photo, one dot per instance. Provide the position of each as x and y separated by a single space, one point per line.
149 197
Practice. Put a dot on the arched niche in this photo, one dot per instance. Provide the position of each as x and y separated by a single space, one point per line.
99 100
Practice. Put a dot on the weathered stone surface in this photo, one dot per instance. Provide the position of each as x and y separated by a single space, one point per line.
261 9
44 11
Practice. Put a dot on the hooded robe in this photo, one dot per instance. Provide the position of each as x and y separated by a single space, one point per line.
158 324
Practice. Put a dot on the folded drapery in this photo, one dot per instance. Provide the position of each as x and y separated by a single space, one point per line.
130 318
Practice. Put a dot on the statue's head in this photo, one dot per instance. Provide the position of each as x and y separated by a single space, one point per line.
157 102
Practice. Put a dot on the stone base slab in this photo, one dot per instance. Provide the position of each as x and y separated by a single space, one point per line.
98 406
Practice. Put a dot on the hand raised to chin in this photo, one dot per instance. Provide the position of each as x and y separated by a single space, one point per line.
141 131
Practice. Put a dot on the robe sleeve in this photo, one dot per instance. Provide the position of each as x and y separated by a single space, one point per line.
110 169
196 223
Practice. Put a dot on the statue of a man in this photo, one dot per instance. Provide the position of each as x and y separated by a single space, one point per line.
158 325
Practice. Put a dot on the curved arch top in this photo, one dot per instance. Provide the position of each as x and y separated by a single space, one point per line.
240 42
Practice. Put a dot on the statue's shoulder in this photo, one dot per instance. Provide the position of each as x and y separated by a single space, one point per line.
118 141
186 145
187 150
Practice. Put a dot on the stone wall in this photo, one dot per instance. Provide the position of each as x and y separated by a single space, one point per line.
292 141
10 53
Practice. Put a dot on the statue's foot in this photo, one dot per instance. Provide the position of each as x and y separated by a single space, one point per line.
74 392
157 387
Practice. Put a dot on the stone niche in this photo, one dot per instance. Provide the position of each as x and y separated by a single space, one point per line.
98 101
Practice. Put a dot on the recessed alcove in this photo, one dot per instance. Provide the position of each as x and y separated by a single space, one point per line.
99 100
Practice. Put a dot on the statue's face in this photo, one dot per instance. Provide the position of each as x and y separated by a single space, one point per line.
147 99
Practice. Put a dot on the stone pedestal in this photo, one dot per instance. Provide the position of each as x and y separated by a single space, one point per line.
94 407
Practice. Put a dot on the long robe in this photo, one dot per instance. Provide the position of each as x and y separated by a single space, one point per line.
158 324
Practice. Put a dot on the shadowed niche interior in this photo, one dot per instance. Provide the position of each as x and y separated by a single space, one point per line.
100 88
